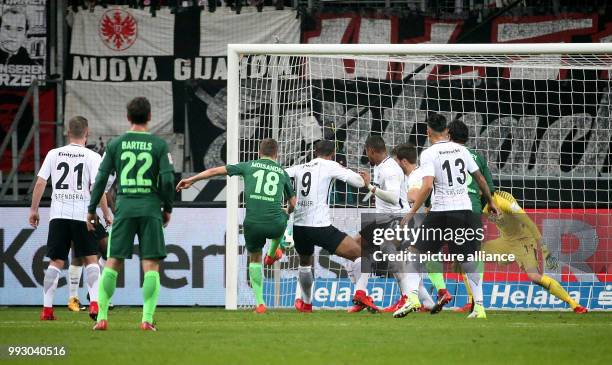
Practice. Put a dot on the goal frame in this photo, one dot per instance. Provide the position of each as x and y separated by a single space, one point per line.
234 52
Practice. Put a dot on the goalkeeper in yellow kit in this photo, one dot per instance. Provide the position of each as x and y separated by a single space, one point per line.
520 236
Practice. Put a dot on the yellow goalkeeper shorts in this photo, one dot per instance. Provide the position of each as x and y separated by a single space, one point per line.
525 250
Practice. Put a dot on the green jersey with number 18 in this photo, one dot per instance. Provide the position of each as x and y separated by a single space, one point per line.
265 183
145 175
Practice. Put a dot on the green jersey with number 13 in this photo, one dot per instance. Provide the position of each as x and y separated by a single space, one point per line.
140 160
265 182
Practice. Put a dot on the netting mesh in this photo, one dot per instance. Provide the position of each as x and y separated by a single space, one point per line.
541 122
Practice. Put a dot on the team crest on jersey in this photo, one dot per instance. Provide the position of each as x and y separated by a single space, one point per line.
118 29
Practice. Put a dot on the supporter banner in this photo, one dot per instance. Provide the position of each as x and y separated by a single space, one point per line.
9 104
23 42
534 117
119 52
194 271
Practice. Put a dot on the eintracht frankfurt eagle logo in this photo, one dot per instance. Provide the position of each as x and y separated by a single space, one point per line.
118 29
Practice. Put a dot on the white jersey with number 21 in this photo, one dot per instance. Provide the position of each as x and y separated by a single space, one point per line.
73 169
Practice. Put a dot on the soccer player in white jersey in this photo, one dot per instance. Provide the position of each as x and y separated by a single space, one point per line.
405 155
389 189
75 269
446 166
312 225
72 169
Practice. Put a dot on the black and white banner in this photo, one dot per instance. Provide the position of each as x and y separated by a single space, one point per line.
23 42
119 53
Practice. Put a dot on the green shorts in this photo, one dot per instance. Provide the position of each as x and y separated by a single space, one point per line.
255 234
150 237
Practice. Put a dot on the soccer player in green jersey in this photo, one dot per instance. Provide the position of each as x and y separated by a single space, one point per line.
145 193
459 133
265 184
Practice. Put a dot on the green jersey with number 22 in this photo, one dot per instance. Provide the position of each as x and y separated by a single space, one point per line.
265 182
140 159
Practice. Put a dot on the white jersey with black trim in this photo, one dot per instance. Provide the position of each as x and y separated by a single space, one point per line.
389 176
451 165
415 181
73 169
313 182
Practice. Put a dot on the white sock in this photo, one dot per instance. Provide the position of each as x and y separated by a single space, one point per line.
350 270
407 282
92 275
361 279
474 279
74 278
410 282
52 275
102 263
424 296
306 279
398 278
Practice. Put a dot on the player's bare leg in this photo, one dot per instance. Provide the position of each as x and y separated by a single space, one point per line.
52 275
75 270
106 288
306 280
150 293
256 279
555 289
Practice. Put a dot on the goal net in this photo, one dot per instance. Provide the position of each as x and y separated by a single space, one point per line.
539 114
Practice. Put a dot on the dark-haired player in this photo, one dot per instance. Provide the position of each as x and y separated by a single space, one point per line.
265 184
389 189
446 166
145 193
459 133
406 156
312 224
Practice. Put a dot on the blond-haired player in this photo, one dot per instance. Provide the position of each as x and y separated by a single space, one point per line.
520 236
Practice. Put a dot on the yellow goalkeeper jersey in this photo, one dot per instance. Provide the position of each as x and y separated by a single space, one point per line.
513 222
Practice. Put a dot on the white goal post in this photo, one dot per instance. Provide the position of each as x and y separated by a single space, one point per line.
537 61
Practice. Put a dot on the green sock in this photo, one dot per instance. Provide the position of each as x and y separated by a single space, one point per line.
150 292
106 288
273 246
434 271
255 274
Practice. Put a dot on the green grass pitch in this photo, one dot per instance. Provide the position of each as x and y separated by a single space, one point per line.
216 336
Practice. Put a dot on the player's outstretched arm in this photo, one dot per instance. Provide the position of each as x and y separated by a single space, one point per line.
106 213
391 195
291 204
484 187
347 175
39 189
421 196
99 187
207 174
